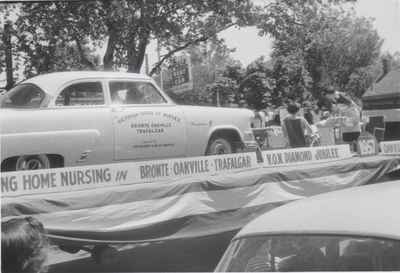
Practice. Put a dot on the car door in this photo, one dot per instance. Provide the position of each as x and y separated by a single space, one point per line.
82 122
145 124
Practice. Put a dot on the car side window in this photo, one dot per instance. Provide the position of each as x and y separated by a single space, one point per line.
128 92
23 96
83 93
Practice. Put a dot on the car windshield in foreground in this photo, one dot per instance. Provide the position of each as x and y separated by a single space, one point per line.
23 96
311 253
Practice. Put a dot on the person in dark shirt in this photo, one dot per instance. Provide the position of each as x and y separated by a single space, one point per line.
295 128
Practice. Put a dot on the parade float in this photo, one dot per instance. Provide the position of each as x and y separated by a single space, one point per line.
96 205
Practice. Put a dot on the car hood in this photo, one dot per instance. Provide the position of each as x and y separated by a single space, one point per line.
368 210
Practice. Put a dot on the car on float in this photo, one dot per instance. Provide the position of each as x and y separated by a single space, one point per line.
80 118
348 230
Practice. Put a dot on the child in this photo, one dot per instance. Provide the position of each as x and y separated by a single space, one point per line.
23 246
295 129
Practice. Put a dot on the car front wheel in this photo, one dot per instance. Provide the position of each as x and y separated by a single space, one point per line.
219 146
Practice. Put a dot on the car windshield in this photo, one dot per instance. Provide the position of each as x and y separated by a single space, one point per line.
311 253
23 96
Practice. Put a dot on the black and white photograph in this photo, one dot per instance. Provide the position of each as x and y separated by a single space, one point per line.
199 135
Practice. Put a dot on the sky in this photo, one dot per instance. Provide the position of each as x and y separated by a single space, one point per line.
386 14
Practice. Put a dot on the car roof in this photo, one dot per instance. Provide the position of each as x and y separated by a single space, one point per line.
51 82
371 210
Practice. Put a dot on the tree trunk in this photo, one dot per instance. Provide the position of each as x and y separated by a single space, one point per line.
8 53
131 56
108 59
49 57
136 57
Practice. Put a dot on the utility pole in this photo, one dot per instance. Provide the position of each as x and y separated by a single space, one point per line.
159 59
8 54
146 59
218 99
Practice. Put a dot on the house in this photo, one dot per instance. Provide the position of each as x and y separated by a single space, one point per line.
383 99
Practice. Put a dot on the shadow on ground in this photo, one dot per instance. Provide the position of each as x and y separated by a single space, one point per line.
190 255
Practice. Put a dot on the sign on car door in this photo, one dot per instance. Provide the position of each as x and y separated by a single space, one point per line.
145 125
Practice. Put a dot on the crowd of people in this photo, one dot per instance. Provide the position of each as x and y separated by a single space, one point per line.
301 123
23 240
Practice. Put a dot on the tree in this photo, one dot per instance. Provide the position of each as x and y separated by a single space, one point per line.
361 79
256 83
56 36
251 86
395 60
208 60
292 79
227 85
124 27
7 45
390 62
203 20
333 43
223 91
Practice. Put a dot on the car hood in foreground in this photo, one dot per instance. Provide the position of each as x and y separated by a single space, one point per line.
365 210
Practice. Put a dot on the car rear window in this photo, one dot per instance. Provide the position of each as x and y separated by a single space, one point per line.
311 253
23 96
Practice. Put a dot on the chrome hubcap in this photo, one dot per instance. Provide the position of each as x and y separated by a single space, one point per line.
220 149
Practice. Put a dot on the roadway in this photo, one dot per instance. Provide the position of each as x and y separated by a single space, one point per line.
191 255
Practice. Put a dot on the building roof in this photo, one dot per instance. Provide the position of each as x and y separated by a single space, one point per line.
388 86
51 82
365 210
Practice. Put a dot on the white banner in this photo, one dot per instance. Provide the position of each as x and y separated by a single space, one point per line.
390 147
305 155
95 176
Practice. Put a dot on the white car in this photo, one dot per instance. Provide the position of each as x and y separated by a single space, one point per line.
348 230
81 118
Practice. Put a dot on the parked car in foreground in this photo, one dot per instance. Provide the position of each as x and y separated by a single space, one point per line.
81 118
348 230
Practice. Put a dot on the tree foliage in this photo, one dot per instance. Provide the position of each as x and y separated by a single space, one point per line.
332 44
226 85
7 45
71 30
256 82
209 60
52 36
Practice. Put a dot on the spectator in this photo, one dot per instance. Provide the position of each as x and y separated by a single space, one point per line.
23 246
351 128
308 112
328 100
307 258
134 95
295 129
